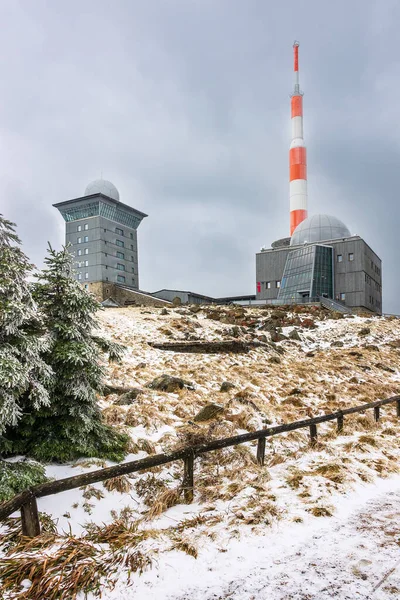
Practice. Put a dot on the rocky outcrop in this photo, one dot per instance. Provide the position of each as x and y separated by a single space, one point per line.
167 383
208 412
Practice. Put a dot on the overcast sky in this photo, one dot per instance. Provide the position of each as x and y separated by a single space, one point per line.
184 105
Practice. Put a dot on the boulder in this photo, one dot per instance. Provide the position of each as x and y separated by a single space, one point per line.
167 383
195 308
209 411
274 360
294 335
296 392
385 368
226 386
278 337
337 344
364 331
128 397
164 311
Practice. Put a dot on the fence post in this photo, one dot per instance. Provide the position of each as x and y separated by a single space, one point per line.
376 413
188 479
30 518
340 423
398 408
313 434
261 451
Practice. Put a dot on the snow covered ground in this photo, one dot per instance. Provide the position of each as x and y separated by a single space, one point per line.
353 555
258 532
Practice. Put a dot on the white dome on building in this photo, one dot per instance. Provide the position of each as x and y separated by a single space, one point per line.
319 228
102 186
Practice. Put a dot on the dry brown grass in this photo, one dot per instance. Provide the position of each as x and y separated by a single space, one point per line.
295 477
163 501
75 566
121 533
335 472
114 415
89 491
185 545
321 511
148 487
119 484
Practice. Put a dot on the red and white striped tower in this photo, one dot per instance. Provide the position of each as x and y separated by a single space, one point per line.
297 153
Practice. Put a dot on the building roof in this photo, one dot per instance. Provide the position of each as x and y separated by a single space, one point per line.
100 195
319 228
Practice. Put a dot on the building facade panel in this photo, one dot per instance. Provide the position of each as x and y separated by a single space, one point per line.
102 233
357 273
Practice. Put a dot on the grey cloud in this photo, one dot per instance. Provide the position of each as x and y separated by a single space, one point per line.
184 105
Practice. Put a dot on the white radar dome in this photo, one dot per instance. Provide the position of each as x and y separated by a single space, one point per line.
102 186
319 228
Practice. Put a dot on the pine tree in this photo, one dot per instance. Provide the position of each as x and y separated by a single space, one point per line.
71 425
24 376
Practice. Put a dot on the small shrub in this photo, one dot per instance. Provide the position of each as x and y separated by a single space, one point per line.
18 476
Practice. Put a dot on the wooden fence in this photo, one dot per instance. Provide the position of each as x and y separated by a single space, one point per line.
26 501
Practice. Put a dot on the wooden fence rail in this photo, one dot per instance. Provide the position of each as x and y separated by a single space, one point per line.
26 500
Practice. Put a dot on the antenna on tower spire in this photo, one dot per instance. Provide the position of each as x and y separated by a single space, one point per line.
297 153
296 90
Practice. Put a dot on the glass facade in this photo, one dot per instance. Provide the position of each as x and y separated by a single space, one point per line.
308 275
109 211
115 213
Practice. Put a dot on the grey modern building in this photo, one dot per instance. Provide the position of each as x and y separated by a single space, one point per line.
322 259
102 232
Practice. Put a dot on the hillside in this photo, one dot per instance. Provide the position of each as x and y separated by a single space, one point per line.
294 364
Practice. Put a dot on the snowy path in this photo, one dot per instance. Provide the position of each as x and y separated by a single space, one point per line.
344 557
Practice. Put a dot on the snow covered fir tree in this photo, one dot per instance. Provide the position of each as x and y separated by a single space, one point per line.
50 364
70 424
24 375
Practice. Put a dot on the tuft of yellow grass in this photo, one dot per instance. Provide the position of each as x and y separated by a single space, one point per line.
119 484
163 501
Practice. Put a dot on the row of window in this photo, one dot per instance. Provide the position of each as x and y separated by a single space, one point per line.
375 268
120 244
79 252
341 296
85 239
122 279
121 255
371 281
350 257
83 264
118 231
121 267
80 276
268 284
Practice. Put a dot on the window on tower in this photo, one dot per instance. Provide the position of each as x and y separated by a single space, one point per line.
120 243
